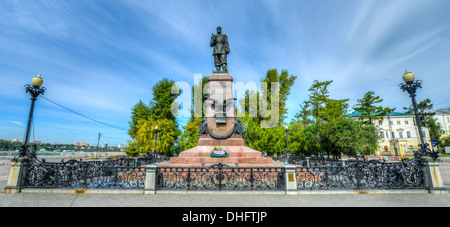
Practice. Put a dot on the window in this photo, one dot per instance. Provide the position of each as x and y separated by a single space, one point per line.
390 122
424 134
387 135
406 122
393 135
408 134
400 134
398 122
382 135
380 123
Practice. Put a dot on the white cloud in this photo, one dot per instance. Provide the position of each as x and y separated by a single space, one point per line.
17 123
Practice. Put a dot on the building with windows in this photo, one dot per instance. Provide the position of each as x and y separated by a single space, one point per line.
80 144
443 118
399 134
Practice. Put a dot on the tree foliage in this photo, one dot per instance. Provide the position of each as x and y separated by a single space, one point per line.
189 135
160 106
445 141
144 141
138 112
426 112
320 128
270 139
145 117
369 110
285 82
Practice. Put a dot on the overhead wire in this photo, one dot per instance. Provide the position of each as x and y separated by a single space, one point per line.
82 115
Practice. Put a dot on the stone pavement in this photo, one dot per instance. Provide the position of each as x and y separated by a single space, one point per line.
224 200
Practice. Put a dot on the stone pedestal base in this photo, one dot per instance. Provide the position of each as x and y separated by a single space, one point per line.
16 175
241 155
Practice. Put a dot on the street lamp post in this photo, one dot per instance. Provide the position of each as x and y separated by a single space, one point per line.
35 90
411 86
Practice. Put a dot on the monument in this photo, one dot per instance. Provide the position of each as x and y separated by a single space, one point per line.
220 132
221 48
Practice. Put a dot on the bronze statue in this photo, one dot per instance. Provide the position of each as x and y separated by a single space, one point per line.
221 48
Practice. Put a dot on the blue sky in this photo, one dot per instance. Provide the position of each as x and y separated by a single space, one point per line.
100 57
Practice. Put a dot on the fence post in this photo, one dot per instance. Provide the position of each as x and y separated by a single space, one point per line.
343 161
150 179
433 179
290 179
16 176
308 161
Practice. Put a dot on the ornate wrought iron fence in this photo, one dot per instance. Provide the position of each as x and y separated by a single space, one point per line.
319 161
131 174
113 174
220 177
361 175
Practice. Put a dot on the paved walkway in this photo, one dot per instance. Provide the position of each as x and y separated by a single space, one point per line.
161 200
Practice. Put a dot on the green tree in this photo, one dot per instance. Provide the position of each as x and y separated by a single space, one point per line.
271 139
285 82
138 112
161 105
297 138
324 111
352 137
436 130
317 98
189 135
144 141
445 141
424 110
159 111
369 110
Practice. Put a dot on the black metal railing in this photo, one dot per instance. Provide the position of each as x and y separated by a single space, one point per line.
220 177
314 175
361 175
110 174
311 162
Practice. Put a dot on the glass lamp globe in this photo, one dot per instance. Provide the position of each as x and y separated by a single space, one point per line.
37 81
408 77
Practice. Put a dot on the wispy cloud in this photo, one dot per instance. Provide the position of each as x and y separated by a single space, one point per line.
17 123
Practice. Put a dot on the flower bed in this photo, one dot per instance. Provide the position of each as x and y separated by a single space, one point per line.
218 153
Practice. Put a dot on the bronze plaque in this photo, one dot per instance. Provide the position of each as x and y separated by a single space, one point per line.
291 177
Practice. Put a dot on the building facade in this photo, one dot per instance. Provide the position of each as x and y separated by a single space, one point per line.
443 118
399 135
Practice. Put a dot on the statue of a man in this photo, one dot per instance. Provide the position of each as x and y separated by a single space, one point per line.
221 48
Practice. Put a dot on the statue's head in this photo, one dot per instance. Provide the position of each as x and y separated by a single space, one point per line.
219 30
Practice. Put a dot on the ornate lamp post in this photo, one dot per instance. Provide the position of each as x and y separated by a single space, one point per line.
411 86
35 90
